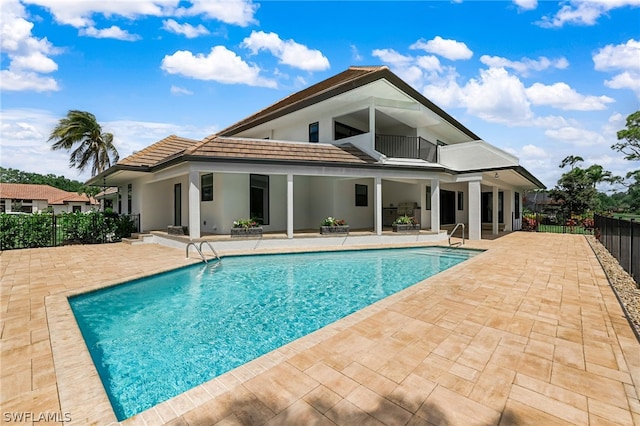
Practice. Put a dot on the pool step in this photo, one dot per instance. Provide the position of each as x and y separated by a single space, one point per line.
137 238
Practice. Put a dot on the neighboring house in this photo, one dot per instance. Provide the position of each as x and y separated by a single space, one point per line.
356 146
27 198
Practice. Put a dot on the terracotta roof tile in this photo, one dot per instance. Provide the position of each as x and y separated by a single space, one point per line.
159 151
219 147
23 191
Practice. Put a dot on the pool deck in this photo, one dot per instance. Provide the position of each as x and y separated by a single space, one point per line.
528 332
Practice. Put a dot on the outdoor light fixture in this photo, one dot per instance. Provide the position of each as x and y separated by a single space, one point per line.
497 176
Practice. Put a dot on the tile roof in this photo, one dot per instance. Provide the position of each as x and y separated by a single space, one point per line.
153 154
23 191
347 76
240 148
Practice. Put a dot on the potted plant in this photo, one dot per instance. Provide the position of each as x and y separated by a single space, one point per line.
404 224
332 225
245 228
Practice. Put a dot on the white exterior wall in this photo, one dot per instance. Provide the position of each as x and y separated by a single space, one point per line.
345 203
302 197
158 200
322 201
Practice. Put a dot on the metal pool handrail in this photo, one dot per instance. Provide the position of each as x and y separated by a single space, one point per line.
454 230
199 250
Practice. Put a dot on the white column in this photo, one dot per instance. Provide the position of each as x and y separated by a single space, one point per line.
194 204
377 192
475 219
494 211
435 205
372 124
289 205
422 199
509 207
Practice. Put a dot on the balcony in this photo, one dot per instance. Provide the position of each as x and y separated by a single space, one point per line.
407 147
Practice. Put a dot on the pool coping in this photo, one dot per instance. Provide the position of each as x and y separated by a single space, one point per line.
75 369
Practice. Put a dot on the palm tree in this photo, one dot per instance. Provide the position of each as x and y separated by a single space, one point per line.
79 131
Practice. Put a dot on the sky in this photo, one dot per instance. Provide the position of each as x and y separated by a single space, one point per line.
539 79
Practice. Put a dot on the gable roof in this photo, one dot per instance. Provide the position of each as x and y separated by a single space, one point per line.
254 149
162 150
54 196
349 79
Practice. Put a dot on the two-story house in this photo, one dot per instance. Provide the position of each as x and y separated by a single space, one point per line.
362 145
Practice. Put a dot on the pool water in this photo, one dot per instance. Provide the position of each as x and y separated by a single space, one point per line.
154 338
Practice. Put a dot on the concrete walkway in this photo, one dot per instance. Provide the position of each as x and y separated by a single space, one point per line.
528 332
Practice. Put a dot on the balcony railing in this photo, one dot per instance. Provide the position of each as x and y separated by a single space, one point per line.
407 147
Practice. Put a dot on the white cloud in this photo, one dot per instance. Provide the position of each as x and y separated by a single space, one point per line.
429 63
524 65
113 31
526 4
79 14
534 151
576 137
355 55
619 57
236 12
287 51
392 57
221 65
562 96
580 12
29 57
450 49
187 30
175 90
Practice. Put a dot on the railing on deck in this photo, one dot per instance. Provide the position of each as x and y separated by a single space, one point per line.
407 147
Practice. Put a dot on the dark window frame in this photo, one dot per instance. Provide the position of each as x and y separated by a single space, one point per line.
206 189
517 205
428 198
314 132
460 200
362 195
261 182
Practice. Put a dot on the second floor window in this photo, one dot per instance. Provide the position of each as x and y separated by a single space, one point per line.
314 132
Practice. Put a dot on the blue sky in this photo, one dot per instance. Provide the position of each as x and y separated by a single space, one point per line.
539 79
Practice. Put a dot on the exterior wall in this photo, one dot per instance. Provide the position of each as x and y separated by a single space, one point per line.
322 203
302 197
345 205
157 198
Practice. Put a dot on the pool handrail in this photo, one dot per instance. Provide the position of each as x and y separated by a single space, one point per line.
199 250
452 232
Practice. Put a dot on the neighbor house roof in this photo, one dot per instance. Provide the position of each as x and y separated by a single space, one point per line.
54 196
220 147
352 78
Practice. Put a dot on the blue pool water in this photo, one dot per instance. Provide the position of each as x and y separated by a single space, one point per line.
154 338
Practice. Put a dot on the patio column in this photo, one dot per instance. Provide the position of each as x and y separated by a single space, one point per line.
475 221
377 192
289 205
435 205
509 206
494 211
194 204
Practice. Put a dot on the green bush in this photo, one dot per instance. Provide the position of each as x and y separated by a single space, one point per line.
46 230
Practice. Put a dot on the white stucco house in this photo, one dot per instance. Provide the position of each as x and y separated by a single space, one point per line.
362 146
32 198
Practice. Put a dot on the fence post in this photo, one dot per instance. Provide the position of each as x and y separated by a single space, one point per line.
631 248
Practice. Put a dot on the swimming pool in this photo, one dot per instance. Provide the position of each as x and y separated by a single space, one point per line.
154 338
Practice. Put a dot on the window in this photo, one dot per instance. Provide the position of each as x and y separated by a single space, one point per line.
460 200
259 198
428 199
206 187
517 205
314 132
362 197
76 209
129 197
342 131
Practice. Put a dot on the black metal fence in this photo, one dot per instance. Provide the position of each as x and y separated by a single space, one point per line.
50 230
407 147
622 239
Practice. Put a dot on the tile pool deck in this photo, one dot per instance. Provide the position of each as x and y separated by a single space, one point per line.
528 332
